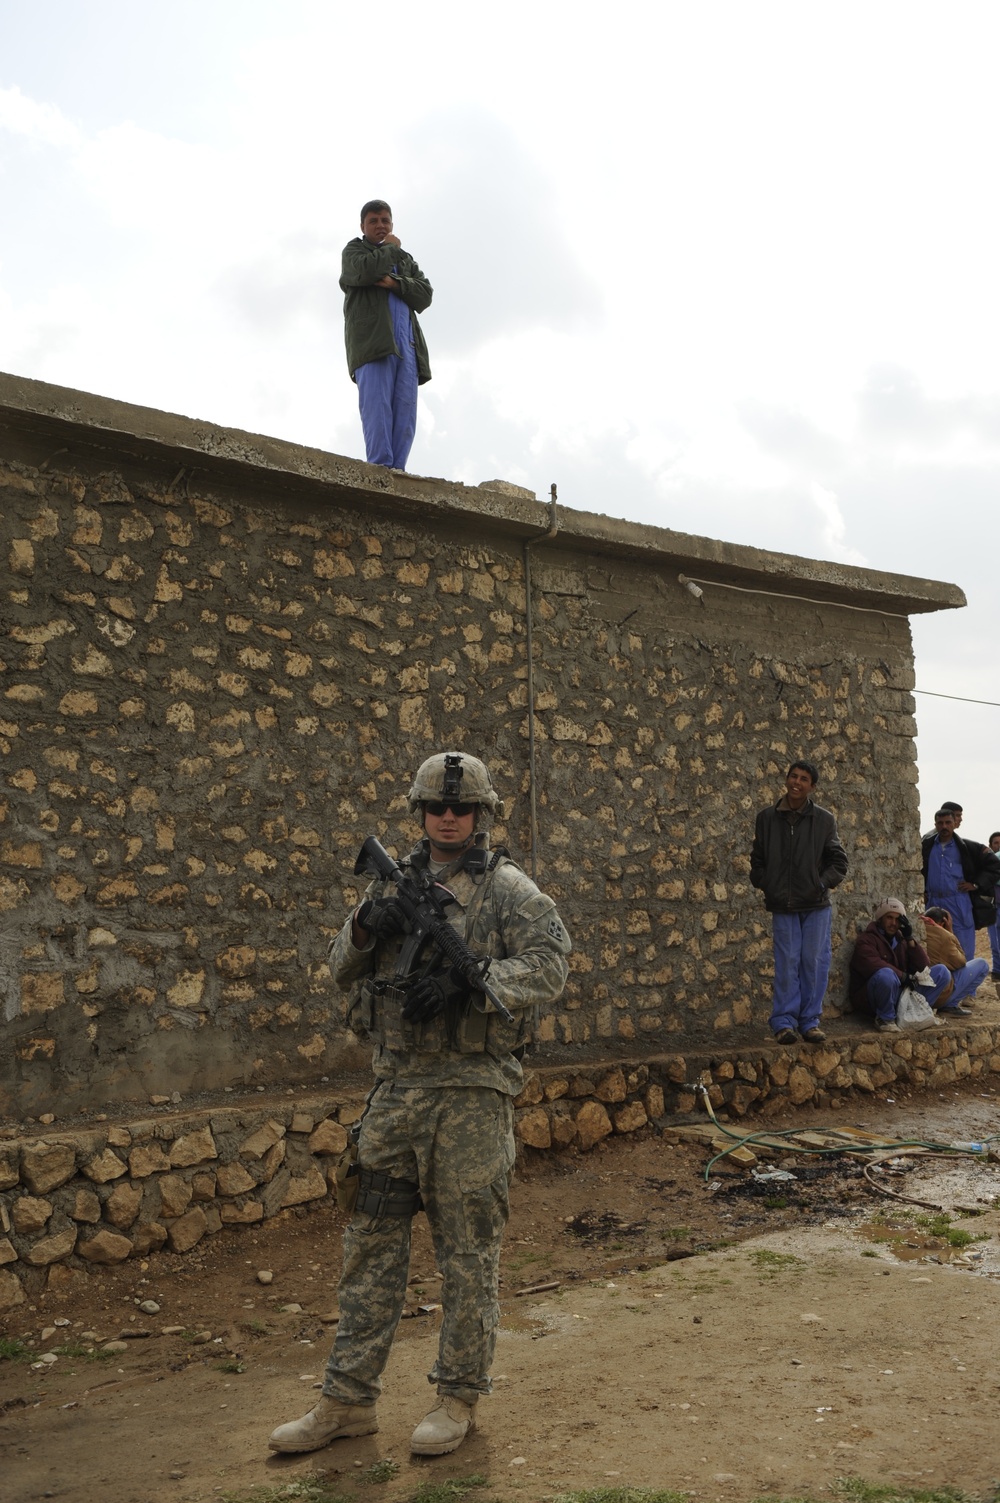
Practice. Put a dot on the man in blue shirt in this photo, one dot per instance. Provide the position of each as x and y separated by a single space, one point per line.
960 876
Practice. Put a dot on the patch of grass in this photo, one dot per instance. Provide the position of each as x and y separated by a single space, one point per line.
231 1365
937 1224
82 1351
958 1238
770 1263
255 1327
12 1350
380 1471
869 1252
776 1202
678 1233
856 1490
452 1491
305 1490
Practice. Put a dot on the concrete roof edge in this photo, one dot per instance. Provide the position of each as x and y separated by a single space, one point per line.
104 423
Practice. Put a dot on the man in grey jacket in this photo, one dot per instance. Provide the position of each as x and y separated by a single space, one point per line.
796 859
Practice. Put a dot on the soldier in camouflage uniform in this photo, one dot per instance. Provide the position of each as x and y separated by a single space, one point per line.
438 1130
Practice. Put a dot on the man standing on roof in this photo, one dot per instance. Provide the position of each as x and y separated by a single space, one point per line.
384 290
796 860
437 1133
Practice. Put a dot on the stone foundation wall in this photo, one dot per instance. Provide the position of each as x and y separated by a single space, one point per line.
78 1198
72 1199
216 685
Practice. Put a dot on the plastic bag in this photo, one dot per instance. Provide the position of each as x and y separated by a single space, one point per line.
913 1010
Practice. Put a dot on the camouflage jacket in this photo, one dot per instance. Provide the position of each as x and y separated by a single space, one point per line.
499 912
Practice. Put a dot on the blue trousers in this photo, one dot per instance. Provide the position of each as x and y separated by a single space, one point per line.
885 986
387 396
967 981
801 968
995 947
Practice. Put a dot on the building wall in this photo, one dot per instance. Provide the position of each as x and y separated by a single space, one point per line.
213 691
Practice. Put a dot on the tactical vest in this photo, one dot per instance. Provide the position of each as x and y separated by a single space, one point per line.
375 1005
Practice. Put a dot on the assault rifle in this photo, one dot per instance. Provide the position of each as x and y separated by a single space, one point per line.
423 901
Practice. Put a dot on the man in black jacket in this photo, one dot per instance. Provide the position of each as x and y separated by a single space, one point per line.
796 859
960 876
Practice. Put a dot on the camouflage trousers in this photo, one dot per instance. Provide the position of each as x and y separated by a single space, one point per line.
457 1143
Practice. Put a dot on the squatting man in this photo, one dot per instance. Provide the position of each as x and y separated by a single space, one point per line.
437 1132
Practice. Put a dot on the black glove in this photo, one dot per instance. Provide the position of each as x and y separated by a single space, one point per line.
382 917
432 994
905 927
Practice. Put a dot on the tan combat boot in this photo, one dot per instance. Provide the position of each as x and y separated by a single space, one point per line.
330 1420
444 1429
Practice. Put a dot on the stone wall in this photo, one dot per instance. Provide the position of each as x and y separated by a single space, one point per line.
219 678
77 1198
96 1196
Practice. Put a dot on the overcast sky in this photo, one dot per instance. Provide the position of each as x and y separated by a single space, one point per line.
724 267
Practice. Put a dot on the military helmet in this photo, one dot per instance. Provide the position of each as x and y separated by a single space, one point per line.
454 775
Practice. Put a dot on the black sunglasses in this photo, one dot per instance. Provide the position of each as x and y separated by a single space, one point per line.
459 810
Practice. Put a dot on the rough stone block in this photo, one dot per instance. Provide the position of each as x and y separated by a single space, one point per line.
187 1230
801 1085
193 1148
592 1124
203 1186
554 1089
122 1205
867 1053
531 1126
147 1159
532 1092
257 1144
105 1247
611 1086
149 1237
46 1165
11 1291
51 1249
86 1206
233 1179
8 1253
303 1187
242 1215
630 1117
272 1161
654 1101
29 1213
563 1128
9 1172
328 1137
104 1167
175 1196
302 1122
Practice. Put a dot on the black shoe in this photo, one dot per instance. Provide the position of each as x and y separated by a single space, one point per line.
814 1036
786 1036
995 975
958 1011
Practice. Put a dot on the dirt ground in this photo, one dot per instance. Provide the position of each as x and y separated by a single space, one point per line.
727 1338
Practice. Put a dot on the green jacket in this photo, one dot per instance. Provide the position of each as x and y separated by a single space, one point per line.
367 316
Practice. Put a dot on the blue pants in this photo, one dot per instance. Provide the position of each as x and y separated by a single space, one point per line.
801 968
967 981
995 948
885 986
387 396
